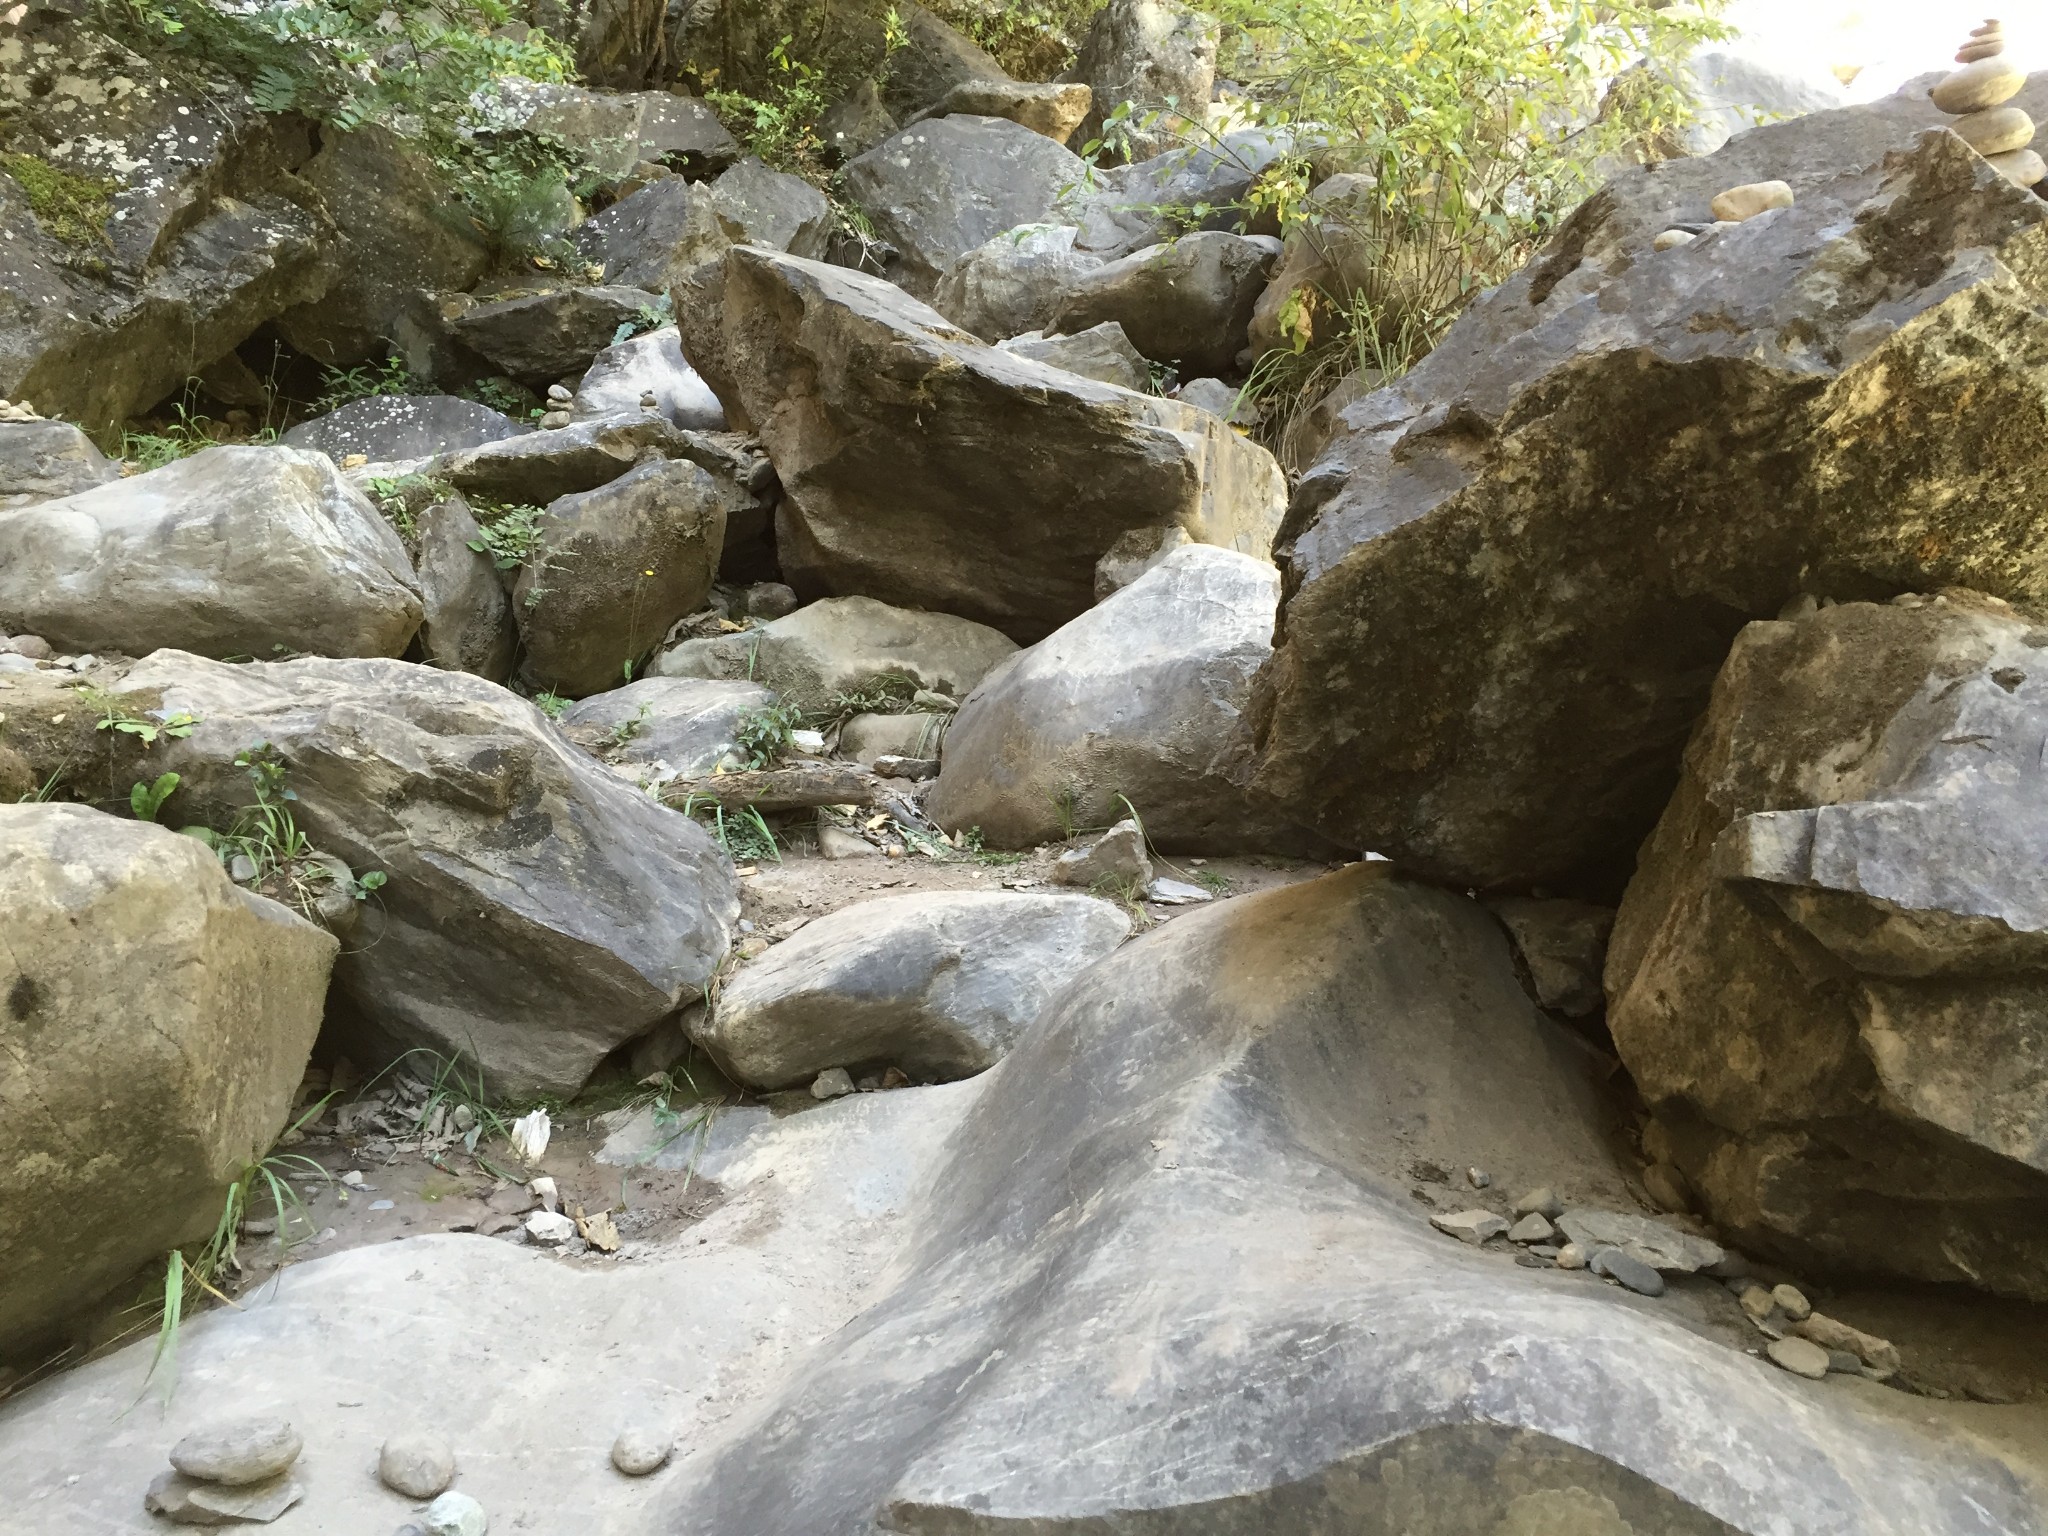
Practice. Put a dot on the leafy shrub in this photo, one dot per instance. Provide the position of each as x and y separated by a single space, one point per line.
512 535
365 381
763 735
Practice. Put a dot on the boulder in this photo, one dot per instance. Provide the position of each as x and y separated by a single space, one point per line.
919 736
940 984
938 190
536 467
1050 108
758 206
1000 517
538 912
1113 1309
231 552
1131 702
543 337
1013 283
618 566
615 131
846 645
467 624
1218 399
856 123
158 1021
1102 352
926 58
1731 92
1157 56
388 428
1503 611
623 375
1187 303
42 460
1149 202
1562 946
1824 977
398 245
1132 555
678 725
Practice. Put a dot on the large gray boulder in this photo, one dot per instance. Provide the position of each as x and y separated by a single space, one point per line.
613 131
1170 1276
1158 58
536 467
846 645
1133 701
626 373
618 566
940 984
1826 975
1187 303
231 552
1732 91
157 1023
543 337
1052 108
42 460
1503 612
938 190
1001 516
679 727
1013 283
1148 202
387 428
1102 352
466 624
538 913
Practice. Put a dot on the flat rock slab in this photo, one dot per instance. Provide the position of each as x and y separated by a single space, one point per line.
42 460
1656 1243
386 428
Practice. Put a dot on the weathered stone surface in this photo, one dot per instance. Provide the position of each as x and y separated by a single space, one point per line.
537 467
188 1501
1187 303
1134 700
616 131
623 375
386 428
1014 283
847 645
940 984
1050 108
619 565
158 1023
42 460
1823 975
1161 58
938 190
1102 352
538 913
467 621
1131 1213
680 726
548 336
1563 946
1001 517
237 1451
1996 130
1503 613
1655 1243
1731 91
1132 555
1143 204
230 552
1117 857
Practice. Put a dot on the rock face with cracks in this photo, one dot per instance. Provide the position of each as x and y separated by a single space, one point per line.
999 517
1826 976
1168 1279
1509 581
232 552
940 984
538 913
125 1109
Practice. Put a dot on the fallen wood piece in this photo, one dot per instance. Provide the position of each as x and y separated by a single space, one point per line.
777 789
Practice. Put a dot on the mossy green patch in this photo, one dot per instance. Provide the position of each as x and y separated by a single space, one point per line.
70 208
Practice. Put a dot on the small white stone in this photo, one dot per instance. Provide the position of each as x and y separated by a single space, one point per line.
416 1464
1671 239
832 1083
550 1227
1747 201
642 1448
454 1514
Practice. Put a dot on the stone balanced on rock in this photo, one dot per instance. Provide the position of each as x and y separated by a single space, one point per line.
1975 96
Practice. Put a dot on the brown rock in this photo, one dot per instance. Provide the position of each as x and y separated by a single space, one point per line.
1986 83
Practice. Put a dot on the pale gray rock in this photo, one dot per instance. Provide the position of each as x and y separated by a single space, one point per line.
1563 947
1799 1356
1474 1227
170 1085
1013 283
231 552
467 624
454 1514
1132 701
940 189
537 467
1188 303
642 1448
1532 1228
1655 1243
416 1463
679 726
238 1451
42 460
921 735
1132 555
190 1501
1134 206
846 645
615 131
877 505
1218 399
832 1083
1731 91
1822 977
940 984
619 565
538 912
773 209
1117 857
387 428
622 376
1158 56
542 337
1102 352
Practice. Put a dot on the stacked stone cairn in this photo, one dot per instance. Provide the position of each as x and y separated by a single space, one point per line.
1977 95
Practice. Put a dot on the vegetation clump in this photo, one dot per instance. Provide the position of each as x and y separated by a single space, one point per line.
70 208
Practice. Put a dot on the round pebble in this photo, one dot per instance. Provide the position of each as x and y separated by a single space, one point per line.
1571 1256
642 1448
454 1514
2021 167
1746 202
415 1464
1996 130
241 1451
1629 1270
1793 1302
1673 238
1987 83
1802 1357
